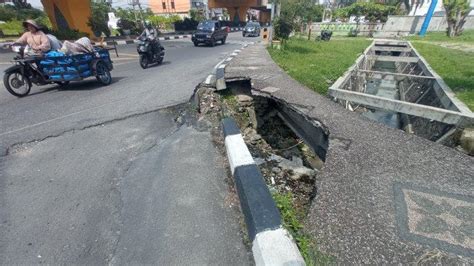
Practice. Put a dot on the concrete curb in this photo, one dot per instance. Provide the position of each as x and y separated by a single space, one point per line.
271 243
217 77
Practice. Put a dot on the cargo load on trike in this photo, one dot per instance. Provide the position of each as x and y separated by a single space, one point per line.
55 67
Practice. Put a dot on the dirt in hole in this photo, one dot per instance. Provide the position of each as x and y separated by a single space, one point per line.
286 162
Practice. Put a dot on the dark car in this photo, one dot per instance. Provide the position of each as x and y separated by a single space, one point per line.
209 32
251 29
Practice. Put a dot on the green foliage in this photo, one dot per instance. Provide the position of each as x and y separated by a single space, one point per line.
164 22
454 66
44 22
301 11
291 222
466 37
127 24
99 18
13 27
21 4
125 13
282 27
68 34
196 15
9 13
186 24
456 13
373 12
318 64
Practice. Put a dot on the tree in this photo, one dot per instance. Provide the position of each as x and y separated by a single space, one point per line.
99 18
456 13
196 15
282 27
373 12
301 12
21 4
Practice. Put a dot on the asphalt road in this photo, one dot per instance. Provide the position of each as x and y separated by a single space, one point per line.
99 175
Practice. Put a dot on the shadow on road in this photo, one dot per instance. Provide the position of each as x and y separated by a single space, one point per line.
86 85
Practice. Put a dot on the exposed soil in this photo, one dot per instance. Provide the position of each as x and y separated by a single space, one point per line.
286 162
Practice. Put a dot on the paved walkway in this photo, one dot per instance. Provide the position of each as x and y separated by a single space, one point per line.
383 196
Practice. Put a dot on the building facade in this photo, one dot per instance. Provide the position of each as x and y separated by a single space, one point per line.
171 7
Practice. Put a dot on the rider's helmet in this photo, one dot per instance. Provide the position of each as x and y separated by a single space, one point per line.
148 24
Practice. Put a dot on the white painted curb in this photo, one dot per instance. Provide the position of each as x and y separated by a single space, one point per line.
276 247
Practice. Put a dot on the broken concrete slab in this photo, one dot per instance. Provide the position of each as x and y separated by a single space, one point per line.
370 174
467 140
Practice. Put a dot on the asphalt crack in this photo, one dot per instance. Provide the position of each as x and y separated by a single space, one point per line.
11 148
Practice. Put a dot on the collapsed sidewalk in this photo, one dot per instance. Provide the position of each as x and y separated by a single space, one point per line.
383 196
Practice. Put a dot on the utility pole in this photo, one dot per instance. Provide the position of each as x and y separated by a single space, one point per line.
135 3
428 16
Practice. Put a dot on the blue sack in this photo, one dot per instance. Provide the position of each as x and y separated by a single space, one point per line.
50 54
86 73
71 76
65 61
54 54
83 67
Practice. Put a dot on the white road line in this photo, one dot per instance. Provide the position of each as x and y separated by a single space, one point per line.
208 79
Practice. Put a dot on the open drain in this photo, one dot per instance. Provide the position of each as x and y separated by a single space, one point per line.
289 149
392 84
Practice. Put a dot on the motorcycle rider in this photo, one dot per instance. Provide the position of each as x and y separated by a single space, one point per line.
151 34
34 37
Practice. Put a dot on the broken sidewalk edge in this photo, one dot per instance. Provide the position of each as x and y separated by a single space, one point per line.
271 243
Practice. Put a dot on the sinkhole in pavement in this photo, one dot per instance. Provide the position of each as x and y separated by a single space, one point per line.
289 149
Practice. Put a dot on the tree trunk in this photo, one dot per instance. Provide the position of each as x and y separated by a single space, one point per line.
407 5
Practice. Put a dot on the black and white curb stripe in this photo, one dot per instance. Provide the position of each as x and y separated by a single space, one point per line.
236 29
271 243
167 38
217 76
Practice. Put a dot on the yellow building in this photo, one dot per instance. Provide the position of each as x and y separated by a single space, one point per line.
70 14
238 8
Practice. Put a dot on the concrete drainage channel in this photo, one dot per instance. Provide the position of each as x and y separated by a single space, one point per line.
392 84
274 153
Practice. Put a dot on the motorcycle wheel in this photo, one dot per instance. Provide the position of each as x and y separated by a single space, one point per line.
103 74
143 61
196 44
17 84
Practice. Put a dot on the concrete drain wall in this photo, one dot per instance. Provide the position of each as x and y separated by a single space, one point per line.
289 149
392 84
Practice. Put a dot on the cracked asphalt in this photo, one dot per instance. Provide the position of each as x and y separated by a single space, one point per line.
105 175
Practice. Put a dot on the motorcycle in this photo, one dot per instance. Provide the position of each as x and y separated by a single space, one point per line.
28 70
147 55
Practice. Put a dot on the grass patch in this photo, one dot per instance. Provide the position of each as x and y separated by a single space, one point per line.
466 37
454 66
291 221
12 28
318 64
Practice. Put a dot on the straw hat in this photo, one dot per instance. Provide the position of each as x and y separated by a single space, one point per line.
32 23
